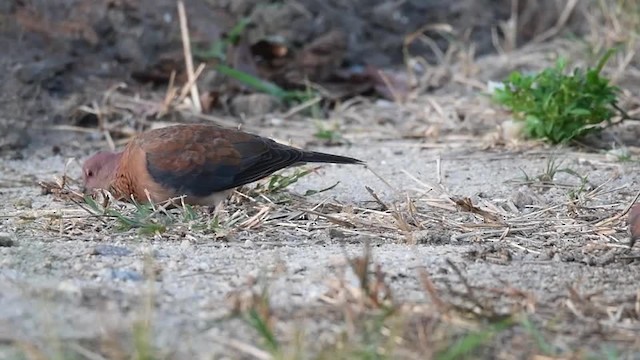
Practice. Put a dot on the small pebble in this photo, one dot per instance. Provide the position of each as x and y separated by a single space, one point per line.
203 266
253 104
110 250
512 130
6 240
336 233
522 198
125 275
23 203
248 244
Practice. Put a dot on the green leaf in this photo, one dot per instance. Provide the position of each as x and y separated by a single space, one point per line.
560 107
579 112
313 192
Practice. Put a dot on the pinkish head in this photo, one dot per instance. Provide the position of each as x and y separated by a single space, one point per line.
99 170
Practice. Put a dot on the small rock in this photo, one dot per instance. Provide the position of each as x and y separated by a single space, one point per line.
431 237
128 50
77 266
492 86
110 250
253 104
512 130
6 240
43 70
13 137
276 121
336 234
248 243
618 154
24 203
522 198
203 266
126 275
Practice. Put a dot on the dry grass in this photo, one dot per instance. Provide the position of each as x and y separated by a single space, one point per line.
456 317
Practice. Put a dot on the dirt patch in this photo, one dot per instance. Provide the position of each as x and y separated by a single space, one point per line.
456 236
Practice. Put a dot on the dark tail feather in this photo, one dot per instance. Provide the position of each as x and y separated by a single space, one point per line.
318 157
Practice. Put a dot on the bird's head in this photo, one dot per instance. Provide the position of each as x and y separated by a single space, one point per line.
99 170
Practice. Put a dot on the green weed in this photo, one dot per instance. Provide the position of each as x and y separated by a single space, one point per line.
537 336
560 107
470 343
328 134
218 53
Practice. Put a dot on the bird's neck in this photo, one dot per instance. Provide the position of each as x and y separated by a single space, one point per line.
114 163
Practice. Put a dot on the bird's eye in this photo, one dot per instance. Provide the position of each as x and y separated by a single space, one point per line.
89 173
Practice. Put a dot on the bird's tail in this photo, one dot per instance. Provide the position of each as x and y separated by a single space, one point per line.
318 157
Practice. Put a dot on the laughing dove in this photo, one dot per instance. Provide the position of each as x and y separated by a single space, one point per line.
203 162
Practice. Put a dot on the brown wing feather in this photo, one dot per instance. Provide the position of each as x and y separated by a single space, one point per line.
201 159
183 148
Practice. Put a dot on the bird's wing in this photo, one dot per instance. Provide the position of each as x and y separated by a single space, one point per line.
200 160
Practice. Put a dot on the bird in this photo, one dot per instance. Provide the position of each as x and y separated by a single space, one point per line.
634 224
202 162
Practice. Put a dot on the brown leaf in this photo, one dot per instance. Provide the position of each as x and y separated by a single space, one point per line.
466 204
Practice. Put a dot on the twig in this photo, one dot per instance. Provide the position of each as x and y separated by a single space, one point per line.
562 20
248 349
330 218
188 58
430 288
625 115
376 198
383 180
618 216
86 353
296 109
191 84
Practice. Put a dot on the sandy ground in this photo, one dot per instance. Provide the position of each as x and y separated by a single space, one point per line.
470 228
61 284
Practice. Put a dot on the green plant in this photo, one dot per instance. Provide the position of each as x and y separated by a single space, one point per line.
143 217
151 219
330 134
538 337
263 329
264 85
277 183
551 169
620 154
218 52
560 107
473 341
